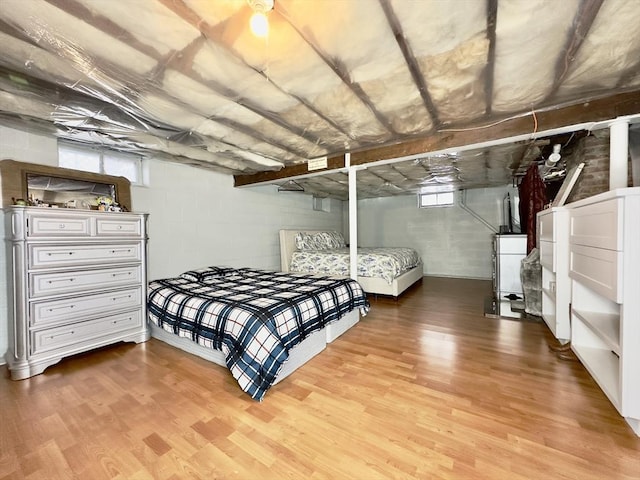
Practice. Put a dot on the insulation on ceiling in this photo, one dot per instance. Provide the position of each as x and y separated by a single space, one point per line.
186 80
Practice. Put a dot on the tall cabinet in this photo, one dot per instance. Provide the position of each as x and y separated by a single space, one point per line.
508 252
605 309
553 244
78 283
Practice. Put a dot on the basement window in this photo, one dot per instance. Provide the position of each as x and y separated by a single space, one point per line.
101 161
441 199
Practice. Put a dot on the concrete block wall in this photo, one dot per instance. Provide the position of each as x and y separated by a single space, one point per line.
28 147
197 218
451 241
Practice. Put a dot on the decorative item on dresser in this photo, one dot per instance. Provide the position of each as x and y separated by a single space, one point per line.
604 260
78 283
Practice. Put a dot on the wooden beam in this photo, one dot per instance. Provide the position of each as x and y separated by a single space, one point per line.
492 17
602 109
582 22
333 163
528 122
412 63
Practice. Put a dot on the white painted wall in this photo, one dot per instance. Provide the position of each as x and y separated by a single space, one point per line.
451 241
197 218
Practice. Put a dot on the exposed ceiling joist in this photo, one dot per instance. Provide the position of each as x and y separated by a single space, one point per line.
114 30
412 63
492 16
184 12
585 16
338 68
600 110
187 81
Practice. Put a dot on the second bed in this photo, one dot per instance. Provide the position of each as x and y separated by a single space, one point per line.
381 271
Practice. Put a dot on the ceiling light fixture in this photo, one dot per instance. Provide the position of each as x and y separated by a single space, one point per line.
259 23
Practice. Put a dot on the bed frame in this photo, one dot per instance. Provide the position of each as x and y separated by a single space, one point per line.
377 286
298 356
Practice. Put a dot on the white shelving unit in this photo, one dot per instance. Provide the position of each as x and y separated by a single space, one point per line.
553 242
604 262
508 252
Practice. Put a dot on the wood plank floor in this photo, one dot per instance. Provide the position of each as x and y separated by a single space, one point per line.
425 387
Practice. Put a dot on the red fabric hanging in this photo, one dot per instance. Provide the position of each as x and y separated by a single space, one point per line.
533 197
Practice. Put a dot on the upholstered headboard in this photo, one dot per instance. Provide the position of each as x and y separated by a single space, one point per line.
288 246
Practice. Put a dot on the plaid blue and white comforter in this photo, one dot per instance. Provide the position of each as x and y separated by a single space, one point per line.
253 316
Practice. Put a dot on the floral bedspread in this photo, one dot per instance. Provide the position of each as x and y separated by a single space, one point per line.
384 262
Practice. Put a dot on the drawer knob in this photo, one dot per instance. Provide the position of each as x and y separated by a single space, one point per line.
62 225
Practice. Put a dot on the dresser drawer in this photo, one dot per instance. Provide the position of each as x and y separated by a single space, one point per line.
547 257
119 226
597 225
45 256
52 312
599 269
48 283
58 225
545 226
61 337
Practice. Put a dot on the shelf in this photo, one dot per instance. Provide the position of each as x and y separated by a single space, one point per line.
604 367
605 325
549 293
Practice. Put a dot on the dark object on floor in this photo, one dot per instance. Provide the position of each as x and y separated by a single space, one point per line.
560 347
513 296
568 355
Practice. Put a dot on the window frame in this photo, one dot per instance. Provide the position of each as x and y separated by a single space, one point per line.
437 195
136 159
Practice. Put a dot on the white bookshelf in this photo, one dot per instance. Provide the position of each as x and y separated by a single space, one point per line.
553 243
604 265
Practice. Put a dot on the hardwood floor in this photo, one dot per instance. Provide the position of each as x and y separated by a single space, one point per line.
425 387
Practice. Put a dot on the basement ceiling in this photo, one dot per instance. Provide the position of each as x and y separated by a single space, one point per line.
187 81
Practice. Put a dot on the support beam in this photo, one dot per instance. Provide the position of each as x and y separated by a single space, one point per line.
338 68
618 154
492 20
582 22
353 220
301 169
493 130
412 63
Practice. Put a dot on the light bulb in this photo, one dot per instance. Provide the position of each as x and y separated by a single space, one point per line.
259 24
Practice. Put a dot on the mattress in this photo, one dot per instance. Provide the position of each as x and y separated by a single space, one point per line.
254 317
387 263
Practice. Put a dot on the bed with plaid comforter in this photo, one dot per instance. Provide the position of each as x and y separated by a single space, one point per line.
253 316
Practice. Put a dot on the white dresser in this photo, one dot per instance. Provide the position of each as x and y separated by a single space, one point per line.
605 300
553 244
78 282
